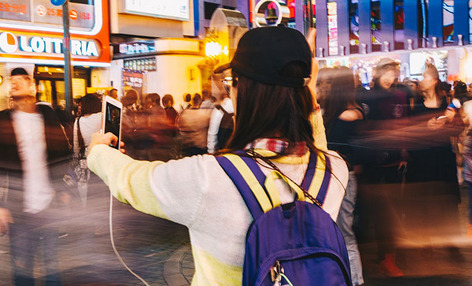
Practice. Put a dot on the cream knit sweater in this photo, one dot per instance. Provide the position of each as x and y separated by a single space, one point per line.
197 193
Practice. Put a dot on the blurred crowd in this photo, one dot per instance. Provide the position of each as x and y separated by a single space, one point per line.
44 178
408 146
153 129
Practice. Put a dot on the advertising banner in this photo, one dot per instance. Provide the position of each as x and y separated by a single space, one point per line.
132 79
15 10
37 34
18 44
175 9
81 15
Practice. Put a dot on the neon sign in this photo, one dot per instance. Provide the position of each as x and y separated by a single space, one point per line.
13 44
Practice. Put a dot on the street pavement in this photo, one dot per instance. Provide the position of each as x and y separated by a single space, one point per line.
159 251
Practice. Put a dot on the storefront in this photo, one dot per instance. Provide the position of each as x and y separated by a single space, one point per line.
31 36
163 66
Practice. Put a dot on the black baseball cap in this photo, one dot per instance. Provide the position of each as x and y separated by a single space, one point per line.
262 54
19 71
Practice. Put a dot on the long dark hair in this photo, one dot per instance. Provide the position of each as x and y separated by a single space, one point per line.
272 111
90 103
340 97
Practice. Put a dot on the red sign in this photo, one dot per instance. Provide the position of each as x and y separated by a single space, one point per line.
29 39
73 14
132 79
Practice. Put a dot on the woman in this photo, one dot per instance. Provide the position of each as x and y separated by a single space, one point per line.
168 103
273 108
341 117
88 122
135 130
432 171
90 118
323 84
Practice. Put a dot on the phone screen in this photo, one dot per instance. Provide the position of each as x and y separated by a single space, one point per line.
113 121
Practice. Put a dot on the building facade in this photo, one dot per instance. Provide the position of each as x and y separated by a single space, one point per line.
31 36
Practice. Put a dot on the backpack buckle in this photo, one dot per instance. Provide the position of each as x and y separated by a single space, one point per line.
275 273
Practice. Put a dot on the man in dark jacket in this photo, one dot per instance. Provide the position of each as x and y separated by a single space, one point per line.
34 151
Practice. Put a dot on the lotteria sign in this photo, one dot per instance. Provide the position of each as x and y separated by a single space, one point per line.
39 39
49 46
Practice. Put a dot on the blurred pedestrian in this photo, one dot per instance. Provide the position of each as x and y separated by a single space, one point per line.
221 121
460 91
273 110
34 153
412 85
168 103
432 170
193 127
135 132
467 156
323 84
114 93
88 122
152 100
341 118
207 102
187 102
162 133
380 180
447 90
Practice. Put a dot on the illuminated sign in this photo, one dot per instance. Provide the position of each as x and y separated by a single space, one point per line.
23 44
132 79
136 48
333 29
141 64
175 9
15 10
38 38
85 19
81 15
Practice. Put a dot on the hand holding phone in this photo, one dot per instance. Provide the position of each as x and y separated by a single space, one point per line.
107 139
112 114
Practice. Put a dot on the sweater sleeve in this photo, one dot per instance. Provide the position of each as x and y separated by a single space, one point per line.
319 134
213 128
173 190
128 179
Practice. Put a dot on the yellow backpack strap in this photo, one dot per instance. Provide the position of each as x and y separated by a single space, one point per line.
248 170
318 176
272 189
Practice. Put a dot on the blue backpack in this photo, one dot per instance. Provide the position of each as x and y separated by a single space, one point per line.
292 244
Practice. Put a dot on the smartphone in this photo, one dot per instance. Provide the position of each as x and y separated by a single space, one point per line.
112 114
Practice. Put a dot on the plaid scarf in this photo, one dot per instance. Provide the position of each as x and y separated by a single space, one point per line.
279 146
